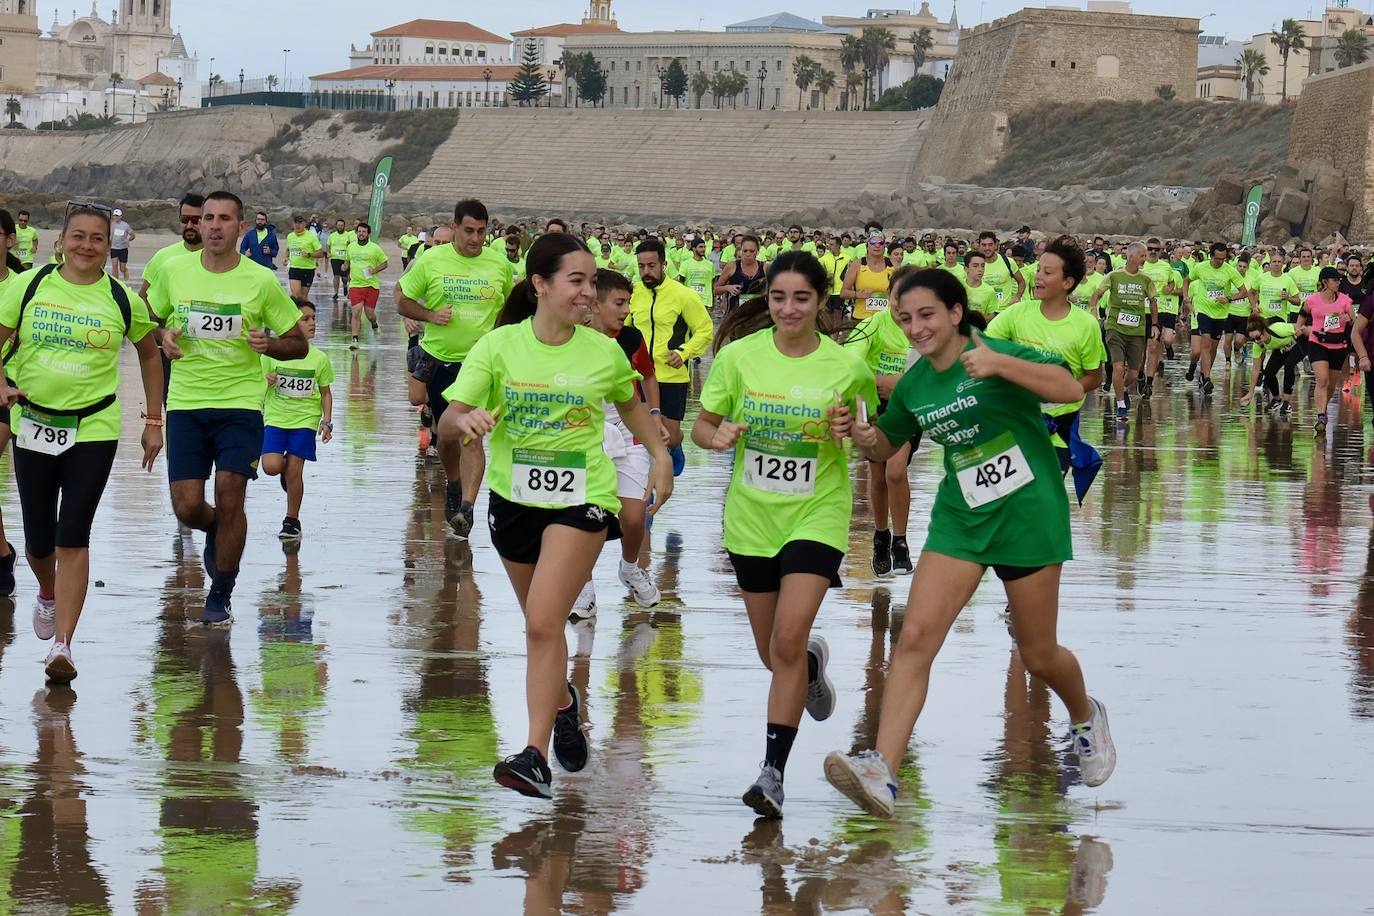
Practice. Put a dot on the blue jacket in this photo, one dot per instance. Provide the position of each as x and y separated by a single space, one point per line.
264 252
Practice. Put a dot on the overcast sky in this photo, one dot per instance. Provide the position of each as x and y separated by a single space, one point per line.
319 36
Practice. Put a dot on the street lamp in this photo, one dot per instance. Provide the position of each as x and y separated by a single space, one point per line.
179 87
240 85
605 85
553 74
486 98
763 75
285 53
558 62
662 85
390 100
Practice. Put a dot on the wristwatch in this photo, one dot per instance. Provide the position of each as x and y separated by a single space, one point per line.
328 424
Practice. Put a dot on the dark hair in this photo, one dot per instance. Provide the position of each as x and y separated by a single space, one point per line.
231 198
872 224
1353 256
1256 323
752 314
304 303
556 222
947 288
542 260
971 254
472 207
8 228
192 200
987 234
610 281
652 246
751 238
25 213
794 226
1075 265
1220 246
363 225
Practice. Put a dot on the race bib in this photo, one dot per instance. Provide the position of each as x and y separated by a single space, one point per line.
548 478
1127 320
214 321
1001 295
877 303
699 289
990 471
1215 295
45 434
295 384
1332 322
781 467
367 273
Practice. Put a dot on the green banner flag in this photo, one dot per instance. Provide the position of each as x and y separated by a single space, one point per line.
380 181
1252 212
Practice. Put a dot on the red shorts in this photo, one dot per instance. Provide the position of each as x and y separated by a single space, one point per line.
364 296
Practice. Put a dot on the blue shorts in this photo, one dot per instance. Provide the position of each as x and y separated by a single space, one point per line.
223 438
298 442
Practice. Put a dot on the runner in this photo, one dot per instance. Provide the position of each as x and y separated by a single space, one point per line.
1281 341
10 268
952 261
981 400
121 234
1326 317
365 261
746 274
699 273
188 224
552 503
338 257
299 405
1129 295
217 309
260 243
456 291
999 273
779 399
1238 313
1168 287
304 253
982 298
26 238
63 405
679 331
866 281
406 242
1215 284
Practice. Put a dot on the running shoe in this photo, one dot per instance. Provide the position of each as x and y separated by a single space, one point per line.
1128 399
882 553
584 608
458 516
642 589
1319 425
1168 352
1159 367
1093 742
527 773
679 460
1140 386
354 344
59 666
1286 411
44 618
290 529
208 555
1123 413
1191 373
1207 388
376 327
765 795
569 741
7 572
901 556
217 610
820 690
1149 391
864 779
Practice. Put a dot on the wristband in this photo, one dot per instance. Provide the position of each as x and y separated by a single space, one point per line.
151 421
655 412
328 424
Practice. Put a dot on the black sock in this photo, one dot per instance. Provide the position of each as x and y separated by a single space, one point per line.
778 746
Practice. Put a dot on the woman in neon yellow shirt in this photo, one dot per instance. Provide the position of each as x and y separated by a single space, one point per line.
537 384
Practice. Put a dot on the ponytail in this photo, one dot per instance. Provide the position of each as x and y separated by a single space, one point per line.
520 305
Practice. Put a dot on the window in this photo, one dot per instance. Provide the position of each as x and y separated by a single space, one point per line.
715 65
1108 67
482 53
731 65
467 52
698 66
748 66
636 96
443 51
1073 65
429 50
815 98
1052 65
639 65
779 70
624 96
746 98
777 98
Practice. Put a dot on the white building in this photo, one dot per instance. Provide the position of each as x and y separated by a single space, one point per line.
549 39
435 41
413 86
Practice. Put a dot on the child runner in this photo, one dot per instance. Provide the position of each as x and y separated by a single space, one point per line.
1000 504
537 383
778 397
299 402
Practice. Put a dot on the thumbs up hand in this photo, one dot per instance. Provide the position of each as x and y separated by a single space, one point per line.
982 361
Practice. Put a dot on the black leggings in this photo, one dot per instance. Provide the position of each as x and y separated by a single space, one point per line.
78 476
1287 361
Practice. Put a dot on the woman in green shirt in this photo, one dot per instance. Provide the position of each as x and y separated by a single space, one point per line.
1001 504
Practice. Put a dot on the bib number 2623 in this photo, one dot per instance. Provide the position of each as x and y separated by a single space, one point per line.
991 471
548 478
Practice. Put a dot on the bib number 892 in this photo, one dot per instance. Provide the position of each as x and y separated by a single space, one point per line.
788 470
549 480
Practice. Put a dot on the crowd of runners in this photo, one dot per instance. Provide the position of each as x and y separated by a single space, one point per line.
554 366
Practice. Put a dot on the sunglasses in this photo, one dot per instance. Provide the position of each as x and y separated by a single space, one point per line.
76 207
190 220
1152 248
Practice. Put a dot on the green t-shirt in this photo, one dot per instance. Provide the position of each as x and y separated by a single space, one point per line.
69 341
214 313
881 343
1082 295
1076 338
999 278
546 450
407 242
622 261
790 480
158 262
1308 283
294 402
27 237
300 246
1169 303
1218 283
1161 273
363 261
475 288
1282 335
1128 304
1241 307
1002 500
338 245
957 269
982 298
1271 290
700 277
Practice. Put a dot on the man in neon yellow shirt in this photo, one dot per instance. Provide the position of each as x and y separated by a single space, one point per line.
27 237
303 254
365 261
338 256
1160 271
699 273
1007 283
406 242
1305 275
1219 284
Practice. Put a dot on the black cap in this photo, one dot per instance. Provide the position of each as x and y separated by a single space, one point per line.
1328 273
1024 229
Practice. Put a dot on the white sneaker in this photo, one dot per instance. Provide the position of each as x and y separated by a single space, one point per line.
642 590
44 618
864 779
584 608
1093 742
820 693
59 666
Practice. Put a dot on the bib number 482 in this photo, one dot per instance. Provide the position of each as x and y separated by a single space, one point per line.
995 472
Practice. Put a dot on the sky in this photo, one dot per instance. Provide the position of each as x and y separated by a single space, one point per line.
320 43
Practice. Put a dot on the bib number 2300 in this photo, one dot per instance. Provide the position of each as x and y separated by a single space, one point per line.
990 471
547 478
214 321
45 434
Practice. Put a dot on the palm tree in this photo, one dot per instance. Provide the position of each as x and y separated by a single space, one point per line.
853 82
804 69
1289 38
851 59
736 84
921 43
1351 48
1252 63
700 84
270 81
12 109
720 87
825 84
878 44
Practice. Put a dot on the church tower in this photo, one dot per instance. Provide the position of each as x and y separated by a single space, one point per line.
599 13
19 34
153 16
142 35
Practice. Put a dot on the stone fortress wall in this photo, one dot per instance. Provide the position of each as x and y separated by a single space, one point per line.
1334 126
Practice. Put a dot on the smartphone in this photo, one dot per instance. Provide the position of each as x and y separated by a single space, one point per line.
863 411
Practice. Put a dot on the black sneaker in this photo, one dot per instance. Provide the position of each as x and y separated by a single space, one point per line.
569 741
7 572
1140 386
1149 389
1159 370
882 553
217 612
1207 388
1192 372
290 529
458 513
1169 351
901 556
527 773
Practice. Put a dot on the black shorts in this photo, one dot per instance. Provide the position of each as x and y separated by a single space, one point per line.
1012 573
1211 327
762 575
59 494
1236 324
1336 359
672 400
914 441
227 439
517 531
305 276
119 254
437 376
339 267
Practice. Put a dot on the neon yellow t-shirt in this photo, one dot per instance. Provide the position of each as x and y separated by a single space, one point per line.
299 248
363 262
881 343
158 262
700 277
1076 338
338 245
474 288
1082 295
27 237
294 401
1271 290
983 298
1217 283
